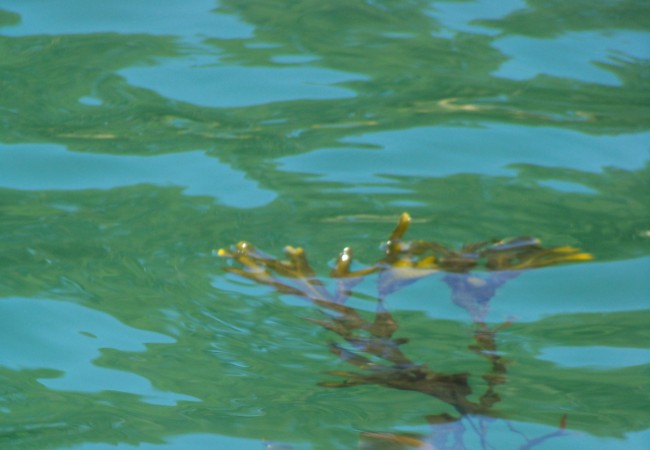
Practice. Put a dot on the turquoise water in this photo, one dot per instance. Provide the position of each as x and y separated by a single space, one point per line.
137 137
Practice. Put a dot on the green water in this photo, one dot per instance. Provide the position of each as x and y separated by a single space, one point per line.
137 136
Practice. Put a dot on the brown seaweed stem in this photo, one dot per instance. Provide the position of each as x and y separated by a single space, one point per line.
370 345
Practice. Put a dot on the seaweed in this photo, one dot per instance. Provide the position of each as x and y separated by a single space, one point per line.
474 273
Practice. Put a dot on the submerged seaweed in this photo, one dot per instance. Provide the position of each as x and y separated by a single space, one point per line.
370 345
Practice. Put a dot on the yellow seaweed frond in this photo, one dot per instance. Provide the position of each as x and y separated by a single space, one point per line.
411 441
404 261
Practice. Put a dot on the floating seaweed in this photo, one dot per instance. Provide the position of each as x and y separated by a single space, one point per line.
370 345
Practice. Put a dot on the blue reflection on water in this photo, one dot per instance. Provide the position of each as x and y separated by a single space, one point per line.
233 86
66 337
460 16
570 55
187 18
536 294
567 186
51 167
598 357
489 149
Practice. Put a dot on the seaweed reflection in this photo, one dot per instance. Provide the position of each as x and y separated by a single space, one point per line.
369 345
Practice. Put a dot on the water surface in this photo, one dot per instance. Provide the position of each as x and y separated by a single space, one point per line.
137 137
